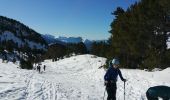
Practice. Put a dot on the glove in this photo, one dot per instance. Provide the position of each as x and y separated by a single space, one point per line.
105 83
124 80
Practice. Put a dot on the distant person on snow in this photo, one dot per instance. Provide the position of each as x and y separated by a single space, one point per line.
111 79
158 91
44 67
39 68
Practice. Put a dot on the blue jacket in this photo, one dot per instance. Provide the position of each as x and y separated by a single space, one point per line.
112 73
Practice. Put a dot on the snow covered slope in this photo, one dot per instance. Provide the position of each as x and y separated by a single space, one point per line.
74 78
19 35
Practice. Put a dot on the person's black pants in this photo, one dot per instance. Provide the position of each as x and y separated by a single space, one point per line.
111 91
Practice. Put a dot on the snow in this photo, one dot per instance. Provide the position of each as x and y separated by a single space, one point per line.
74 78
168 43
34 45
7 35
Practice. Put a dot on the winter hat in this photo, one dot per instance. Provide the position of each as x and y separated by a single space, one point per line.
115 61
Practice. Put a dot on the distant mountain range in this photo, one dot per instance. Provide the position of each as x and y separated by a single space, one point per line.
70 39
50 39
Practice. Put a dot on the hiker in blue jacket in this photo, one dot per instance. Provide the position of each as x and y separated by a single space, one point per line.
111 79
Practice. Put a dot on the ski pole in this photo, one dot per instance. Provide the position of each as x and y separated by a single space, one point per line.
124 90
104 93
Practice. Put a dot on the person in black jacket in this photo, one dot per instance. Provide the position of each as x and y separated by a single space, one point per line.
111 79
39 68
44 67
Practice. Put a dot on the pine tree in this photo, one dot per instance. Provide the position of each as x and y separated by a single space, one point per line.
139 34
26 64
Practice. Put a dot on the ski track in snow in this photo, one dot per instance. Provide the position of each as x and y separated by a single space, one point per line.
74 78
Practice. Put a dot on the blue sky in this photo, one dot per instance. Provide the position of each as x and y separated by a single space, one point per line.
85 18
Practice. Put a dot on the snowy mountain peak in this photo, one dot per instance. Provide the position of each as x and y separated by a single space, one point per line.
70 39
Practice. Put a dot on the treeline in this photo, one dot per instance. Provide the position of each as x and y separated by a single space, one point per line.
59 51
11 46
100 49
139 35
28 56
